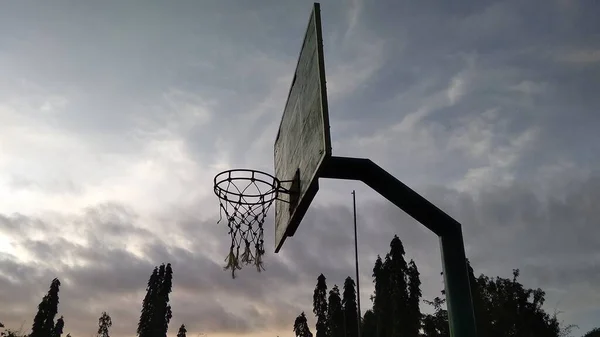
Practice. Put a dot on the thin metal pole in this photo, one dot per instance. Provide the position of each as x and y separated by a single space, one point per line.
356 259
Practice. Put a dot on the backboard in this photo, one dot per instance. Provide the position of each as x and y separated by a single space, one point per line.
303 142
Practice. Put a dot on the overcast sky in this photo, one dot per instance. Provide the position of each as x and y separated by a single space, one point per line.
115 116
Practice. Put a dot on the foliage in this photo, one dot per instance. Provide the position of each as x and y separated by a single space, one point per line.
350 308
503 307
436 324
320 306
182 331
593 333
104 324
369 324
301 328
398 288
512 308
43 322
156 311
58 328
381 298
413 314
335 313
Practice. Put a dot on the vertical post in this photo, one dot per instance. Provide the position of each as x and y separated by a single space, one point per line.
356 260
461 317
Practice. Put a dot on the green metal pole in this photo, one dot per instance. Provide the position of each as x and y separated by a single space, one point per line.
458 292
461 316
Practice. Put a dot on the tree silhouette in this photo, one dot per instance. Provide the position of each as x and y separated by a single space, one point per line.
369 324
398 285
144 328
381 298
43 322
593 333
436 324
350 309
335 313
513 308
104 324
503 307
320 307
156 311
301 328
163 312
58 328
182 331
413 318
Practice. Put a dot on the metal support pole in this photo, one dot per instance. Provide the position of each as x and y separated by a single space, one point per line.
461 316
356 261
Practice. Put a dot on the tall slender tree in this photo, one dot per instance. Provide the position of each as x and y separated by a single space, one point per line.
104 324
182 331
43 322
381 298
163 312
398 286
335 313
350 309
156 311
413 319
301 328
320 307
148 306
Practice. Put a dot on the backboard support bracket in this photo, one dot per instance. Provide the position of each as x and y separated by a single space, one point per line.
461 316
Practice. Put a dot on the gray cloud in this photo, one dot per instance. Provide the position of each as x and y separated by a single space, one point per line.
115 116
504 228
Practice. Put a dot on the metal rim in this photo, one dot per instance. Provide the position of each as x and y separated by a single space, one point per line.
226 179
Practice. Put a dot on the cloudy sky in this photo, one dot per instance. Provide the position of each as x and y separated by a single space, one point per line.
115 116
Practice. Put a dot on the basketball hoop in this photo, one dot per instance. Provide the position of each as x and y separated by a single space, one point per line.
245 197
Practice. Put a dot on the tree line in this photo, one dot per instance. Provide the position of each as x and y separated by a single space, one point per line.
154 319
503 307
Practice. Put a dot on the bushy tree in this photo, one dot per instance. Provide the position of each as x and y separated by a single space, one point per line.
104 324
503 307
593 333
301 328
320 306
513 308
335 313
436 324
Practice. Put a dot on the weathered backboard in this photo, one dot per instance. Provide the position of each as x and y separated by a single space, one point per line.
303 142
